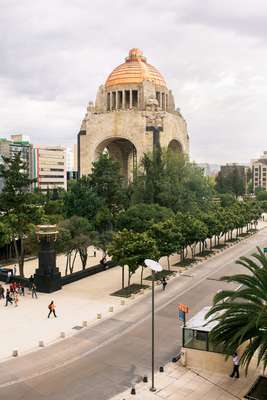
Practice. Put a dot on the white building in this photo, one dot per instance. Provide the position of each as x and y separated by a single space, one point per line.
259 172
50 167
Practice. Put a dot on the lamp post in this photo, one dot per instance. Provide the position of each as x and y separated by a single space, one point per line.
154 266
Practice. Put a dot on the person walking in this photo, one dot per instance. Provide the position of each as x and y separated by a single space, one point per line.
52 309
235 373
164 283
8 277
8 298
34 292
16 299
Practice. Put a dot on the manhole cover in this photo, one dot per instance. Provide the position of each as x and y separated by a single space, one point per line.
77 327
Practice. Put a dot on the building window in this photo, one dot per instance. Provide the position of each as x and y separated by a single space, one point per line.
127 98
135 98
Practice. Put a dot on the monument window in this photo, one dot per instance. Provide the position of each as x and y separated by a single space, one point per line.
113 105
108 102
119 105
135 98
163 101
158 97
127 98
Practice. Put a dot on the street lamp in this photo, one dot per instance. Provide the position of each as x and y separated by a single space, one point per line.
154 266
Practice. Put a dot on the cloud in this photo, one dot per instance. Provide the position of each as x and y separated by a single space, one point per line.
213 54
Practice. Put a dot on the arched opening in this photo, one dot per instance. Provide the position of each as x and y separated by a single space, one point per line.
123 151
175 146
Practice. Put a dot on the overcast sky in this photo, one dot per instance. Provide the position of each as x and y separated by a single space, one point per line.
213 54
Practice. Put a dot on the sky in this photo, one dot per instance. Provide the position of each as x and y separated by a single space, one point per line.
213 55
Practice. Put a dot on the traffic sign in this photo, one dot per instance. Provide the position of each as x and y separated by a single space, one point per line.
265 250
183 307
181 316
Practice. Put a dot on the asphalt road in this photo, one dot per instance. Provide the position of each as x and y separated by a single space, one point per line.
105 359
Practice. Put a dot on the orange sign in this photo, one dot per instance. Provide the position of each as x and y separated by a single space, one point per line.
183 307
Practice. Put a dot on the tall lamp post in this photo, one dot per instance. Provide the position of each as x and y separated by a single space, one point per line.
154 266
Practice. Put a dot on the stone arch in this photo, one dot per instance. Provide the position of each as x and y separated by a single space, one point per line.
175 146
121 150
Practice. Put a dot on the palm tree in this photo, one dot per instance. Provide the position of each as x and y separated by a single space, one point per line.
242 314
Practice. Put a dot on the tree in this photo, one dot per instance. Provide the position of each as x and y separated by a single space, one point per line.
231 179
140 217
108 184
168 179
81 200
168 238
5 234
241 315
75 235
17 208
132 248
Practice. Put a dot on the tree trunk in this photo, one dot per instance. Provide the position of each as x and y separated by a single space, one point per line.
122 277
210 244
168 259
73 262
142 272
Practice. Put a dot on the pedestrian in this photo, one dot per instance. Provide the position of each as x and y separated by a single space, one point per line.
22 291
16 300
235 373
30 282
15 270
8 298
2 292
34 293
52 309
164 283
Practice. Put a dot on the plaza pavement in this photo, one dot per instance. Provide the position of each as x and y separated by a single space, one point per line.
22 327
180 383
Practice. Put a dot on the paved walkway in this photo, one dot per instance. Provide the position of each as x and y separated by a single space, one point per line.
22 327
180 383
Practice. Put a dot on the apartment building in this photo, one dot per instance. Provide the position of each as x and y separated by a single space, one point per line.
50 168
259 172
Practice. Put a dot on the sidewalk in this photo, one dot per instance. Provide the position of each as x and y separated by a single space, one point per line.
180 383
22 327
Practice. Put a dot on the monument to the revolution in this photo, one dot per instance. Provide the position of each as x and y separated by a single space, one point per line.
134 111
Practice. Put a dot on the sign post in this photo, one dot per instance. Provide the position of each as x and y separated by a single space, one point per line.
182 311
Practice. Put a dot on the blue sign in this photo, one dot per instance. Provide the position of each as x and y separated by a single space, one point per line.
181 316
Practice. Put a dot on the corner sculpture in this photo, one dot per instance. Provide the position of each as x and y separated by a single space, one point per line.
47 277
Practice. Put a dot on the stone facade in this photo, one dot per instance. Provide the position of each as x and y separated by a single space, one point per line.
135 95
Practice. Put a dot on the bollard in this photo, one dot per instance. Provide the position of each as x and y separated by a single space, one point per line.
84 324
111 309
122 302
98 316
62 335
41 343
145 380
133 390
15 353
161 369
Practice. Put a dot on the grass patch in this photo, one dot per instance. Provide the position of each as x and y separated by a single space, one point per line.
134 288
160 275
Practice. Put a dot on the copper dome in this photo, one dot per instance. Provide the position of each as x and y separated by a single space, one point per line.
135 70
